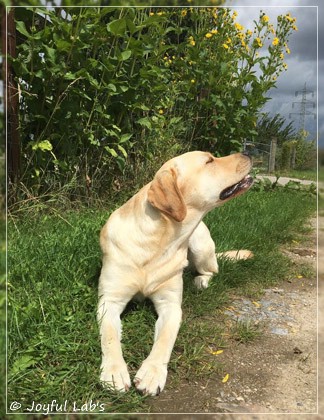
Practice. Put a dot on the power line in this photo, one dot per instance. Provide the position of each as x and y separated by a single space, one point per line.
303 105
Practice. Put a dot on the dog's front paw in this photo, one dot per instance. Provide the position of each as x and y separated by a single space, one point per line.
151 378
115 376
202 282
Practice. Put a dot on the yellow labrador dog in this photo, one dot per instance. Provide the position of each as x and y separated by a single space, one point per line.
146 244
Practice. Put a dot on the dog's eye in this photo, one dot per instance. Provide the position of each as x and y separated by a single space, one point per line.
210 160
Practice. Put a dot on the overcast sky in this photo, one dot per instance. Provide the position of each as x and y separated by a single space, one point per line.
303 62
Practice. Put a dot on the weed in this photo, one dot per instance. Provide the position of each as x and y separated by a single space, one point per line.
245 331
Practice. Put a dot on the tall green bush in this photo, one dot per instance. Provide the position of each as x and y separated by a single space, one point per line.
106 93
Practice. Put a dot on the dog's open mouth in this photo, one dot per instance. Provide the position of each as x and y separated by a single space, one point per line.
238 188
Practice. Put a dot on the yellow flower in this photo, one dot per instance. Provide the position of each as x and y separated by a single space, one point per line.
234 15
285 66
265 18
295 28
226 46
258 42
191 41
239 27
282 56
249 32
289 18
193 81
161 112
287 50
208 35
184 12
275 41
152 14
214 31
228 41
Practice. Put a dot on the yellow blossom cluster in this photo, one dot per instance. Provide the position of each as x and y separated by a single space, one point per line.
289 18
157 14
275 41
192 41
239 27
258 43
286 48
211 33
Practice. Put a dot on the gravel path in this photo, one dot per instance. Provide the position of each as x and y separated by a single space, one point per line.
284 180
273 376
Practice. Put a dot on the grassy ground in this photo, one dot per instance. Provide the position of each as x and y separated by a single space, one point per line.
53 269
2 291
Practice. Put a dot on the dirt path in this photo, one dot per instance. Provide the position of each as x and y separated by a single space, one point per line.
276 373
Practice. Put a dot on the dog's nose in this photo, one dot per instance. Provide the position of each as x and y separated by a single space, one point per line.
246 153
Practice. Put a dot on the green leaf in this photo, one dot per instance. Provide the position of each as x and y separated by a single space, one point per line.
63 45
145 122
117 27
125 55
50 53
24 362
125 137
111 151
112 87
122 150
44 145
20 26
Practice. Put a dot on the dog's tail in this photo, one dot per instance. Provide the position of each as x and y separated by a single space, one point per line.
235 255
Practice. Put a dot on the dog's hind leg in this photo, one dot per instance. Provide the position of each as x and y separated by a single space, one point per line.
235 255
202 256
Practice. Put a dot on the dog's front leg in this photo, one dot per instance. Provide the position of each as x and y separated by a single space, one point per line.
202 255
151 377
114 373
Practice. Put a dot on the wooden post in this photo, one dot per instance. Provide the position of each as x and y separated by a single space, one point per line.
272 157
293 156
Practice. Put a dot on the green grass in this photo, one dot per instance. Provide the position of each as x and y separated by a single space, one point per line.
245 331
53 268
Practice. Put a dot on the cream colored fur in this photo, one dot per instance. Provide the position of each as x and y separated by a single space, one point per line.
146 244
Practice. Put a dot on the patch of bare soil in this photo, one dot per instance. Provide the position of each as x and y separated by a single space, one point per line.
276 372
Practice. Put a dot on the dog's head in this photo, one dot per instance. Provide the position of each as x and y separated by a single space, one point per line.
200 181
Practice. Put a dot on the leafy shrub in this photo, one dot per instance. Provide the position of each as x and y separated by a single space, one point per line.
108 94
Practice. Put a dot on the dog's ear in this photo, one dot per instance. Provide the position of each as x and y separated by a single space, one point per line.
164 194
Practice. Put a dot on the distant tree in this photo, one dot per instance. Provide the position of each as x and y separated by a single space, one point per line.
269 127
